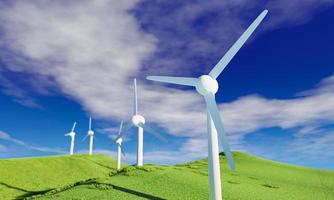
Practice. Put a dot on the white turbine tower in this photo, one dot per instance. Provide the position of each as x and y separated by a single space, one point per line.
207 86
90 134
139 122
72 135
118 140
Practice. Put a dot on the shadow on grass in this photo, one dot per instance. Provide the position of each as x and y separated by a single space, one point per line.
233 182
270 186
106 186
27 192
136 193
102 165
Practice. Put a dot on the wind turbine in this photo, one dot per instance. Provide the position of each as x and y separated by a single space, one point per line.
118 140
139 122
72 134
90 134
207 86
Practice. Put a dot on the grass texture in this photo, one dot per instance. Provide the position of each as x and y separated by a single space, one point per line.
254 179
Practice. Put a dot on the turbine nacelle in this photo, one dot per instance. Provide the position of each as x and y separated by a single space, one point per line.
71 134
119 141
206 85
91 133
138 120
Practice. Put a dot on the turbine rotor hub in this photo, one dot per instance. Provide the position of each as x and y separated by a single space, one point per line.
137 120
119 141
72 134
206 84
90 133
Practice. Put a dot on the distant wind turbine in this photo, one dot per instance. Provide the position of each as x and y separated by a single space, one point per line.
72 135
118 140
90 134
207 86
139 122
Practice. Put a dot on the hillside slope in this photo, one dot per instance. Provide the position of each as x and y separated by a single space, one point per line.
27 176
254 179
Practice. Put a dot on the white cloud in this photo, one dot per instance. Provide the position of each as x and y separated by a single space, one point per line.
158 157
5 136
253 112
295 12
319 146
112 133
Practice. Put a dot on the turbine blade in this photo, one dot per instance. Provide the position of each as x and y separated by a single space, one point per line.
220 66
214 113
90 123
84 138
119 135
153 132
135 104
73 127
120 128
174 80
67 134
127 127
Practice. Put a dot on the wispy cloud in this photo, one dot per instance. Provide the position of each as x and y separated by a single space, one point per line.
7 137
2 148
112 133
19 95
318 146
193 35
158 157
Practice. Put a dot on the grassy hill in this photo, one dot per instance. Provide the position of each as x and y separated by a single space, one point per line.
28 176
254 179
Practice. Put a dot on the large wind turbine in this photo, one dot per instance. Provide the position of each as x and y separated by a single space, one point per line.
72 135
207 86
118 140
139 122
90 134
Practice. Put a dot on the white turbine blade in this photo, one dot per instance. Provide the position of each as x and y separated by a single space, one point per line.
84 138
120 128
153 132
127 127
213 110
67 134
73 127
220 66
135 104
174 80
90 123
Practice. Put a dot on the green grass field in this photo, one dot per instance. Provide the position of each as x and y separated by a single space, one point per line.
24 177
254 179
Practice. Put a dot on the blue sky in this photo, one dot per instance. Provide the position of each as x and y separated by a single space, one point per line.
61 62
